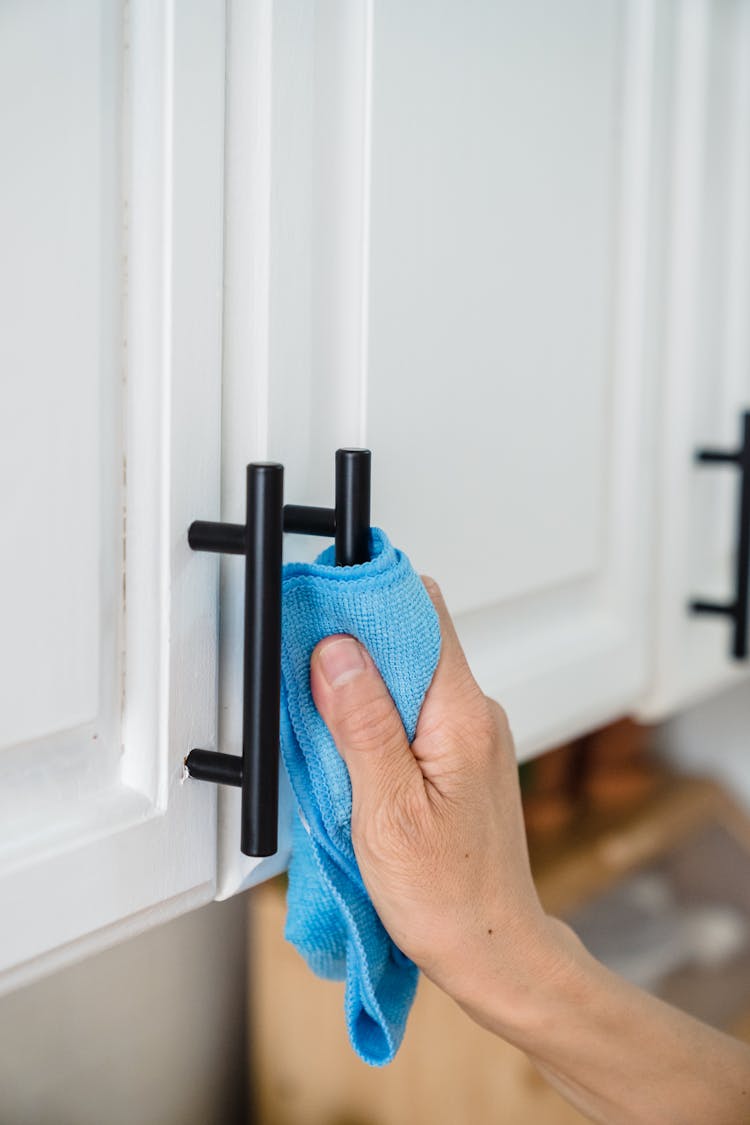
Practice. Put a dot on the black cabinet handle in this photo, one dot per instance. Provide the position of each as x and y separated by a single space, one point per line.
259 539
736 609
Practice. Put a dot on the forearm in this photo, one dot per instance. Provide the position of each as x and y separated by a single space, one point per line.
618 1054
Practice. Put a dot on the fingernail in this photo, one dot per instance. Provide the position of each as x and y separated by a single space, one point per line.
341 660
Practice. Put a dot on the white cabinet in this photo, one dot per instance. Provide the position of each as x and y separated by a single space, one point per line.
705 346
110 361
493 241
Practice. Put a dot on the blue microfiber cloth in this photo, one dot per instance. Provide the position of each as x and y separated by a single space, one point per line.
331 919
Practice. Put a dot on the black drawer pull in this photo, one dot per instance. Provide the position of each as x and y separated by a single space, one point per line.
736 609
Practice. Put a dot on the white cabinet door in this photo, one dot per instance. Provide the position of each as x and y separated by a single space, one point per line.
111 134
705 347
439 217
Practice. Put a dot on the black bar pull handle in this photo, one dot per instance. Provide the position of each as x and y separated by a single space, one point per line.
736 609
256 772
260 541
264 527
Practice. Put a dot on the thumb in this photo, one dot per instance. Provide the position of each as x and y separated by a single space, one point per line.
357 708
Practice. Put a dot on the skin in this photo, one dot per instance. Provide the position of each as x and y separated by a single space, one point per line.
438 832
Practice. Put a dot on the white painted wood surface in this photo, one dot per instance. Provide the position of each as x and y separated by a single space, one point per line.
441 217
705 348
110 284
504 245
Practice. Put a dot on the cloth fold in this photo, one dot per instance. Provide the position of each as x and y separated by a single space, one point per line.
331 919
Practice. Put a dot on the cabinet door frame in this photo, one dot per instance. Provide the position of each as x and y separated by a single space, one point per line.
112 839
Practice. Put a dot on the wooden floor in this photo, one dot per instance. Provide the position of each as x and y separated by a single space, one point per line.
448 1071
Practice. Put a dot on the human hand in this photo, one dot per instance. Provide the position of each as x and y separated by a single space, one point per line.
437 827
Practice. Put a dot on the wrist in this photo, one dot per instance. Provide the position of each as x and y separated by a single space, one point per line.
536 976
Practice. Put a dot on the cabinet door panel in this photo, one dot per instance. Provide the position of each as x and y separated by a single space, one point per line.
493 210
111 228
59 435
448 218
